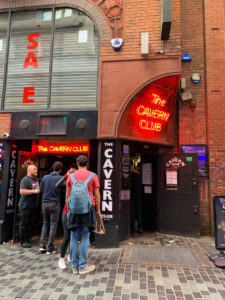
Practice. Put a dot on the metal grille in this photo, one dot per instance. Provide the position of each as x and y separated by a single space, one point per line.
164 255
3 40
75 63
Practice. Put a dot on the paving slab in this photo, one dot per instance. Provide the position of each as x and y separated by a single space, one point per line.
146 266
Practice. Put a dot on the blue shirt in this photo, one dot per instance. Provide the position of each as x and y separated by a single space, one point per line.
51 193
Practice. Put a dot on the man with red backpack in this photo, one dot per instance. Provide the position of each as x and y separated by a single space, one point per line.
82 196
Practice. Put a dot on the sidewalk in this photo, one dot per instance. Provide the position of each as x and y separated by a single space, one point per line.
146 266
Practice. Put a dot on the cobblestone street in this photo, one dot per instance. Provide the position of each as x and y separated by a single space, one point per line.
122 273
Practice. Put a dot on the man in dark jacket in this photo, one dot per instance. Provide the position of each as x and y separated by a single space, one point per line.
28 204
51 198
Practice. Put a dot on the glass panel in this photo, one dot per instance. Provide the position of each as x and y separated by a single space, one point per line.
75 61
52 125
29 57
3 37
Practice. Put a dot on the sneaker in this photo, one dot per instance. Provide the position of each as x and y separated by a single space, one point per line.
51 252
87 269
61 263
42 249
75 271
26 245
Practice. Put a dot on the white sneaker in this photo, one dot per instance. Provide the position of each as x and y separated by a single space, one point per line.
61 263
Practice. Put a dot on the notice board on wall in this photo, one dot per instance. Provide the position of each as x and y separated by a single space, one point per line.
202 151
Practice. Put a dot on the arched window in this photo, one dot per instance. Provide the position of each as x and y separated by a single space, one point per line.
52 61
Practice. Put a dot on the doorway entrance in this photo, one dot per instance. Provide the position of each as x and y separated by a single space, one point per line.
178 194
143 188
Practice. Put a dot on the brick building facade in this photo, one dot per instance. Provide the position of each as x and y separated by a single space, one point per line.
197 28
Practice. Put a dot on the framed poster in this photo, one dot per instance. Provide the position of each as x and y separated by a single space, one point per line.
147 173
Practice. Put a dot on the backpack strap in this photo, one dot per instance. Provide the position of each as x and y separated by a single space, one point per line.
89 178
73 178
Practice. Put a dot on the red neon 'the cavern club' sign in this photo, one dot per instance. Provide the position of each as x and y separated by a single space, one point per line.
153 117
79 148
149 116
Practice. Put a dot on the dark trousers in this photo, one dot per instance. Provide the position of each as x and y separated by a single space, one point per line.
66 236
136 215
51 211
27 222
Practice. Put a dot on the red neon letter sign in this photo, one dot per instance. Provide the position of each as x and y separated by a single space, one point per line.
28 91
32 41
63 148
157 100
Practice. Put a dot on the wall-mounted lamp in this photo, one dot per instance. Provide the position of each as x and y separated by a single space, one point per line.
196 77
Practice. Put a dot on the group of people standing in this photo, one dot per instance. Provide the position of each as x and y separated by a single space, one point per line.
76 227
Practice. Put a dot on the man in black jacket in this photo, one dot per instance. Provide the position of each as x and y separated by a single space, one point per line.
51 198
28 204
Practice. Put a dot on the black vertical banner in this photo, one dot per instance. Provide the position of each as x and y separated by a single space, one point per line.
11 193
2 158
107 179
219 218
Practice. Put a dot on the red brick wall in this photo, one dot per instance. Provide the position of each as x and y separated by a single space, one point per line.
215 75
5 123
144 16
192 114
123 72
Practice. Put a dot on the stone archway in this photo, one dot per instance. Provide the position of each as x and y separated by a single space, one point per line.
148 114
87 7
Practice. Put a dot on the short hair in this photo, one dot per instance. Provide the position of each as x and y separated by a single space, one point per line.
73 166
82 160
57 166
29 165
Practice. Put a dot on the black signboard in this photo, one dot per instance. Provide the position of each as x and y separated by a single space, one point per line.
52 124
219 218
107 177
11 198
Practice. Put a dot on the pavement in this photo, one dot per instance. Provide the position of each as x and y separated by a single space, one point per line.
146 266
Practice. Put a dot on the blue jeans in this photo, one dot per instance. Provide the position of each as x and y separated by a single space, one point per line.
79 261
51 211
